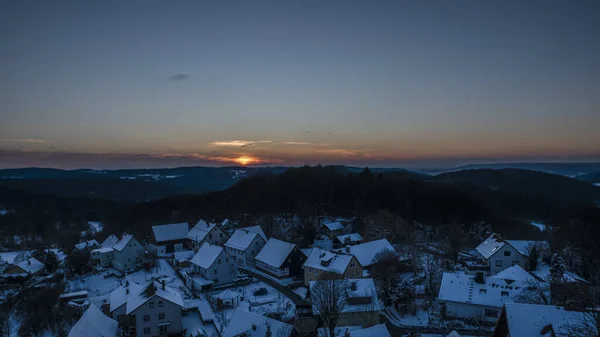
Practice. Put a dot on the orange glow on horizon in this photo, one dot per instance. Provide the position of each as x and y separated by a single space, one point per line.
245 160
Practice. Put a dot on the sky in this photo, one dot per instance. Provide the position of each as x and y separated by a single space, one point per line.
120 84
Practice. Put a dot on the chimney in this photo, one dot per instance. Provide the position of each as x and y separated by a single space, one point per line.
254 327
29 262
163 284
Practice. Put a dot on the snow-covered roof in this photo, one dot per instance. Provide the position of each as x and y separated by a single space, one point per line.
242 238
352 237
87 244
365 252
334 226
275 252
543 272
200 231
523 246
109 241
255 325
356 288
258 230
206 255
94 323
74 294
453 333
228 295
462 288
183 255
322 259
514 273
123 242
205 311
119 296
31 265
379 330
153 289
103 250
170 232
528 320
490 245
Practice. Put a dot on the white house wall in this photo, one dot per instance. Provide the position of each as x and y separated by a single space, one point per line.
507 261
172 314
466 310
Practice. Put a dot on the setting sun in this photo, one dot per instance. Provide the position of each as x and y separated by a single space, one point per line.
245 160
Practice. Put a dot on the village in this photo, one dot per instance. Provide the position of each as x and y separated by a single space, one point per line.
213 279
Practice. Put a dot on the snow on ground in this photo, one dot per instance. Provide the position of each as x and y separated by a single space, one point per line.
3 211
301 291
539 225
272 302
597 184
95 226
193 324
421 318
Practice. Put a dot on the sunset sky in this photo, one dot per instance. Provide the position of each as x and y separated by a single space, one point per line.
119 84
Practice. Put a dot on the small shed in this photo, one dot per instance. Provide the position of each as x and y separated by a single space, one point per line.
228 299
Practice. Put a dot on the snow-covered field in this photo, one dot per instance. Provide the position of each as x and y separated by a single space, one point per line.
539 225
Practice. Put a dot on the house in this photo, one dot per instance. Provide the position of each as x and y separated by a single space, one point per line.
245 244
128 252
331 229
166 239
530 320
206 232
379 330
109 241
366 252
280 259
150 310
498 254
339 331
103 257
228 299
86 245
212 265
362 306
466 296
321 261
95 323
248 324
182 259
347 240
23 270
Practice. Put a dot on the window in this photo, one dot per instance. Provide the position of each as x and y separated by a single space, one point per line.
220 235
160 304
163 330
507 253
226 259
146 318
309 270
151 304
352 265
219 261
210 236
146 331
504 294
215 271
161 315
482 291
498 263
491 313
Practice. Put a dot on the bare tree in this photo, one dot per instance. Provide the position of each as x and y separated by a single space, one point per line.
329 298
586 324
432 268
535 292
385 270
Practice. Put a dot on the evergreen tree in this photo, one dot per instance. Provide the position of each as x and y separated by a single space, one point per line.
533 259
557 268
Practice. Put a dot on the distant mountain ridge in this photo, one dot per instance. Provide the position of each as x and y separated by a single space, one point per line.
566 169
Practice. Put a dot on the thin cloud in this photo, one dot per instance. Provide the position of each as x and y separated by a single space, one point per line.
238 143
297 143
179 77
24 140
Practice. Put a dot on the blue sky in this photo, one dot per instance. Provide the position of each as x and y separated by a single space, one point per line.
385 83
